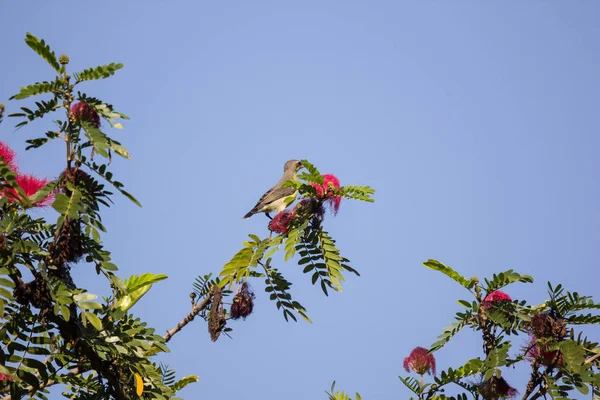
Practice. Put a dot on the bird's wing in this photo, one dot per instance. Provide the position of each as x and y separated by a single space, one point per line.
275 194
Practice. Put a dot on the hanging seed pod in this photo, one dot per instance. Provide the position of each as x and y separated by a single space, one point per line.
545 326
216 318
243 303
69 246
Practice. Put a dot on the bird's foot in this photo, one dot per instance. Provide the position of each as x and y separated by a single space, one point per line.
268 216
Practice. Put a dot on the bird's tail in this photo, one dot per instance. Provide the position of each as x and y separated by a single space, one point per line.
250 213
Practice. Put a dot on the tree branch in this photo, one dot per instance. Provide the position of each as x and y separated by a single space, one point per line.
592 359
533 381
190 317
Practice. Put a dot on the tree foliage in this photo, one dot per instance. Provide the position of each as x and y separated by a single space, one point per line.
563 362
53 331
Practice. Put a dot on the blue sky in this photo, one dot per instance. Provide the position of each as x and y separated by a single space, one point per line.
477 123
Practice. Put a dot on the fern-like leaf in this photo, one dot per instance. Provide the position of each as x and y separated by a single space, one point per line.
37 88
41 48
312 174
101 72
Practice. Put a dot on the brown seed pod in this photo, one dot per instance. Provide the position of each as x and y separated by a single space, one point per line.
497 388
243 303
545 326
69 246
216 317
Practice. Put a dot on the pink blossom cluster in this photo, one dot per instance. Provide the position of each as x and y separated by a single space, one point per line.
327 189
420 361
495 298
310 206
84 112
29 183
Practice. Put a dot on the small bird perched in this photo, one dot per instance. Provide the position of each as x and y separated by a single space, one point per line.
277 198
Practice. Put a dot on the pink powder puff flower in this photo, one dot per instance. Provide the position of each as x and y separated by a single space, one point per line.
30 185
420 361
85 112
281 222
8 155
326 190
494 298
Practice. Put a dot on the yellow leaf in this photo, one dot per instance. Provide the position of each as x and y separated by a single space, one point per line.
139 385
118 125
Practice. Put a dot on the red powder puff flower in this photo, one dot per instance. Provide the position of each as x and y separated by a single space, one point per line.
281 222
8 155
30 185
85 112
420 361
495 298
326 190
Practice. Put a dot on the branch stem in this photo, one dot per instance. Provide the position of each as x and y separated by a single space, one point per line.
190 317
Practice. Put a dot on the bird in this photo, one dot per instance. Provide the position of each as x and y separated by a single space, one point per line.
277 198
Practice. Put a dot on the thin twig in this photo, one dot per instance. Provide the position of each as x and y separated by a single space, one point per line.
189 318
534 380
592 358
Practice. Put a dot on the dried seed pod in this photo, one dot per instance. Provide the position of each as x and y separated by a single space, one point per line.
243 303
216 318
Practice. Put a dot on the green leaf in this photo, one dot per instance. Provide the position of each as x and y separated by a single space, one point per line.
6 294
68 206
101 72
38 365
464 303
93 319
66 313
41 48
120 150
313 174
183 382
506 278
28 377
438 266
90 305
573 354
84 297
130 197
36 88
43 192
7 283
135 282
136 287
101 170
355 192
